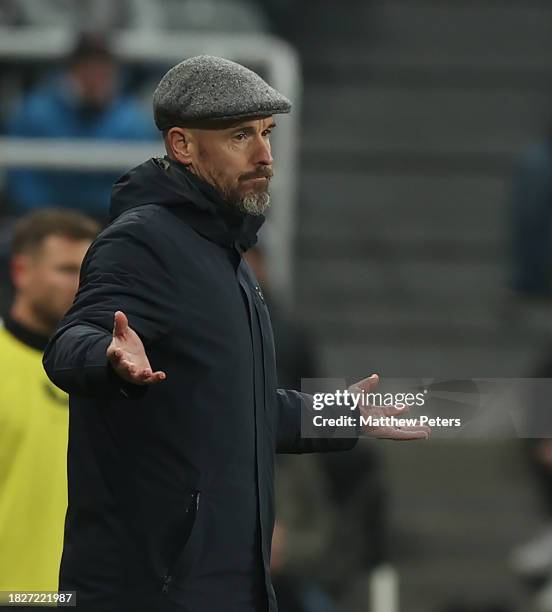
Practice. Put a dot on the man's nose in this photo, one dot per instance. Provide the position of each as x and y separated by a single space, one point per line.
263 153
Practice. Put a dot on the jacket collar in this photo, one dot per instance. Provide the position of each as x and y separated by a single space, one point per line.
25 335
223 224
169 183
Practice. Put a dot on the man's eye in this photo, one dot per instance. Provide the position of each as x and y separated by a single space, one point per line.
240 136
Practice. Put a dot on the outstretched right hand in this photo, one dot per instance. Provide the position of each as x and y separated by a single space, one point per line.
127 355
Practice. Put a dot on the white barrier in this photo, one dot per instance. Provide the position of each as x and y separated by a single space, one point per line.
384 589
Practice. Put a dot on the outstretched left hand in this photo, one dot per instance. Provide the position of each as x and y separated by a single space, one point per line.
412 432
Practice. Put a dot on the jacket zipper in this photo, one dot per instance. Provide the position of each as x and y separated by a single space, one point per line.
167 579
259 293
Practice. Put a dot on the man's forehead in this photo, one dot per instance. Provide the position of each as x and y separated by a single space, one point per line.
230 124
253 121
60 244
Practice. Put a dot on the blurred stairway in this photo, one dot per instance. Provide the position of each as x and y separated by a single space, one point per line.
414 113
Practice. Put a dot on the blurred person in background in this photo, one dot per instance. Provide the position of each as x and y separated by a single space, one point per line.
48 248
305 522
359 540
82 102
531 283
531 224
532 560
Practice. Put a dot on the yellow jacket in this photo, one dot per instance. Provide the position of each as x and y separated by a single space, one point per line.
34 420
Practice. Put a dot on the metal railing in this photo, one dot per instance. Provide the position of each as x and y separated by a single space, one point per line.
276 59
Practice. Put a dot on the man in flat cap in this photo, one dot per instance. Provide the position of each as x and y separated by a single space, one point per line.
168 357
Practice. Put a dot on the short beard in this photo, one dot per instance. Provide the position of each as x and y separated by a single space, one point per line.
254 203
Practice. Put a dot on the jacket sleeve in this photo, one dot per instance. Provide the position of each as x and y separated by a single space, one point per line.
294 406
121 271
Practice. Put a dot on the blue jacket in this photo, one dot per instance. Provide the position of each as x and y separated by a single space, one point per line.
52 112
531 222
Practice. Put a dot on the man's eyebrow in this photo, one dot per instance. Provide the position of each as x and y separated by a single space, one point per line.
243 128
249 129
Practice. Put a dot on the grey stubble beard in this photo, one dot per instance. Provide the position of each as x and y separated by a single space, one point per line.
254 203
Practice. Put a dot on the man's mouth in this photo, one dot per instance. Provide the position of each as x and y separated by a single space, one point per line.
257 177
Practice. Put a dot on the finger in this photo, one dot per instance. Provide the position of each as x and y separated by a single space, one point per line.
425 428
367 384
120 323
140 376
414 435
393 410
152 378
143 372
129 368
147 376
114 355
409 428
411 433
155 377
399 434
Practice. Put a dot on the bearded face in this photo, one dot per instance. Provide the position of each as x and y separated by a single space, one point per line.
249 192
233 157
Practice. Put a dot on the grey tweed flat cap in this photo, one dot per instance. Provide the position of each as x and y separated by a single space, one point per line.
207 88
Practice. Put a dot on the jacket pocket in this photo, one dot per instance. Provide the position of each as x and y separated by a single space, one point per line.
187 551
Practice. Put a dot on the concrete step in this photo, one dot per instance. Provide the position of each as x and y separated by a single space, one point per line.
461 322
385 120
355 211
418 244
469 543
351 63
433 584
388 161
433 281
355 358
498 34
429 332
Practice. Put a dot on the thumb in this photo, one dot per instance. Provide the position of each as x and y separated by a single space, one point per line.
120 324
367 384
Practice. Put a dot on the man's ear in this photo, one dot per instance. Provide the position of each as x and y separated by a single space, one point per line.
19 270
180 144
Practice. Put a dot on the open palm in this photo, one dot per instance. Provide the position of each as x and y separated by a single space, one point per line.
414 432
127 354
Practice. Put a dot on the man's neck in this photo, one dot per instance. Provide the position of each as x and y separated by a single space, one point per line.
22 313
